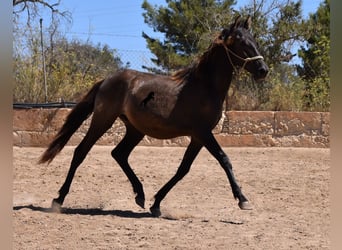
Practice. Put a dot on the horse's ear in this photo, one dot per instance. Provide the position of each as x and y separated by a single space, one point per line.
248 23
225 34
226 37
236 23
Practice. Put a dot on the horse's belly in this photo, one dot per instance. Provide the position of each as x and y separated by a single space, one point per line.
155 124
157 127
162 134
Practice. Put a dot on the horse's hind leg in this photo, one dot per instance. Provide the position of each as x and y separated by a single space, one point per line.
100 123
121 153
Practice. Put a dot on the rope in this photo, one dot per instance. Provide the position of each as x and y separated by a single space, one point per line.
245 60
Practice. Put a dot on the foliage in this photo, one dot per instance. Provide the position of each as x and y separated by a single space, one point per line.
188 27
316 61
281 92
71 68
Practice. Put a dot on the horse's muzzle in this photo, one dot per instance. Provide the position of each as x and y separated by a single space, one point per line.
261 73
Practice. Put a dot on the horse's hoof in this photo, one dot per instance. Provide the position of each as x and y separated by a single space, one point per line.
245 205
155 212
56 207
140 201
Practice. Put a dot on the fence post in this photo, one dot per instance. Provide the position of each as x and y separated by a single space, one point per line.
43 56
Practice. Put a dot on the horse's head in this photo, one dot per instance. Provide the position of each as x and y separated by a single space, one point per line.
242 48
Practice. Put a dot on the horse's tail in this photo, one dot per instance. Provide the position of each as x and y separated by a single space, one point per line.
79 113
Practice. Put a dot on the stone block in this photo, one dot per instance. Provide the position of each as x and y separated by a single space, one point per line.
297 123
35 139
28 120
302 141
219 127
250 122
55 118
326 124
226 140
16 138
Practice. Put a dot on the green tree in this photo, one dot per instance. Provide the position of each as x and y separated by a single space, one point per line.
75 65
72 67
278 25
316 60
188 27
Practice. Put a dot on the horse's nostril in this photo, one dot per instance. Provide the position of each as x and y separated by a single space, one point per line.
262 72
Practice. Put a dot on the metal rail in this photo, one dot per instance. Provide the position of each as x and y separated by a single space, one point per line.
44 105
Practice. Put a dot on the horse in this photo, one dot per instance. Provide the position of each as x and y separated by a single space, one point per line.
186 103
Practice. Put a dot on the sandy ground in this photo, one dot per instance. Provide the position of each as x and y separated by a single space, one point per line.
288 188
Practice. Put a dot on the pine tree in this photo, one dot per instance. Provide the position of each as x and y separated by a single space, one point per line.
316 60
188 27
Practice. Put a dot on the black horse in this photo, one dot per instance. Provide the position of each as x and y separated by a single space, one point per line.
188 103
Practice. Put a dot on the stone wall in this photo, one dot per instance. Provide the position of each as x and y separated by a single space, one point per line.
37 127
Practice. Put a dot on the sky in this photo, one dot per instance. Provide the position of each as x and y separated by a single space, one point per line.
119 24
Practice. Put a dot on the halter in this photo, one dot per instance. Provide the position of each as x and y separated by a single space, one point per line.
245 60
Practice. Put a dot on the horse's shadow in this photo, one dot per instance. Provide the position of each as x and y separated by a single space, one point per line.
89 211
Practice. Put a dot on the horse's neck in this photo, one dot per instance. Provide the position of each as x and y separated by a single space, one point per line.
218 72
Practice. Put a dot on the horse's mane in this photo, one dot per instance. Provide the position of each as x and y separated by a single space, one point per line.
182 74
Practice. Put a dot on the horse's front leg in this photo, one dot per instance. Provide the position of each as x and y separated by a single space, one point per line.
189 156
214 148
